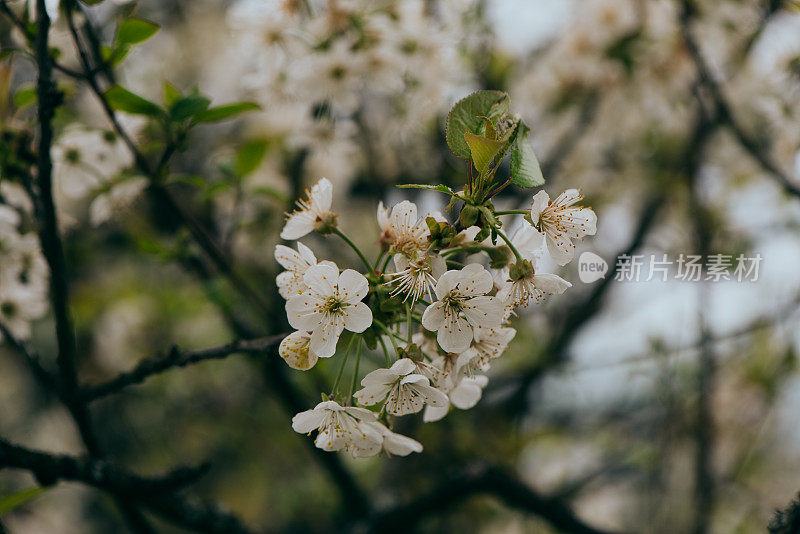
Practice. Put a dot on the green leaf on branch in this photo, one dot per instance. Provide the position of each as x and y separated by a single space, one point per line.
10 502
249 157
133 31
187 107
525 170
171 94
227 111
25 96
465 116
121 99
483 150
439 188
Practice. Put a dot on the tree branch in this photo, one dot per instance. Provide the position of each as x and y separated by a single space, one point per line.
476 480
787 520
174 359
724 110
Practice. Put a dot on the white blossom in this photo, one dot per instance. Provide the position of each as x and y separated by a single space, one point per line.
462 304
561 221
340 427
295 349
312 211
418 275
405 392
402 228
296 262
331 304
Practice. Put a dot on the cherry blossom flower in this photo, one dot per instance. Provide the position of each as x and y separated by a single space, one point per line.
393 443
312 212
489 344
417 276
462 304
405 392
295 349
463 388
296 262
331 304
561 221
340 427
402 228
524 285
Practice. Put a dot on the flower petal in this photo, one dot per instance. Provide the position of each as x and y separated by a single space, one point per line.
357 317
302 311
455 334
322 279
540 201
298 224
308 421
353 286
433 316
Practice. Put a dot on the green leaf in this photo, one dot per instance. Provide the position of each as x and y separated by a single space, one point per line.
249 157
25 96
525 170
439 188
188 107
483 150
220 113
10 502
171 94
465 117
121 99
132 31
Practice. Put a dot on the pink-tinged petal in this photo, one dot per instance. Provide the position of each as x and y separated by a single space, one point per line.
322 280
433 317
302 312
306 253
326 335
484 311
322 195
353 287
308 421
298 224
550 283
446 283
540 202
560 248
455 334
475 280
435 413
357 317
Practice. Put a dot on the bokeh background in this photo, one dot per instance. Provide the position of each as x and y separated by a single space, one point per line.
647 406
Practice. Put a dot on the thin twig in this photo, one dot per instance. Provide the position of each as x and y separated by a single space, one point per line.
175 359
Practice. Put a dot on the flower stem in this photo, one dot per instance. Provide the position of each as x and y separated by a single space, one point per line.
408 320
508 242
385 351
335 388
378 260
512 212
355 372
390 334
354 247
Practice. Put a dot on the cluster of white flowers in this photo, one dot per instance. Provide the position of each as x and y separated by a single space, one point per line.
463 327
330 74
24 276
89 164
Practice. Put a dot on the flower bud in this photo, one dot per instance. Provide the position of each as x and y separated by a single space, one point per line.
469 215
